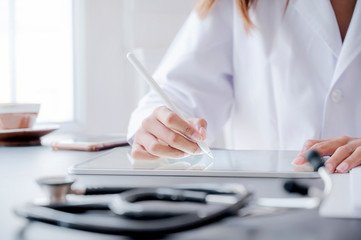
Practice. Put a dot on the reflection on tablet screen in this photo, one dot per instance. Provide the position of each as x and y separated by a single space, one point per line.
119 161
196 162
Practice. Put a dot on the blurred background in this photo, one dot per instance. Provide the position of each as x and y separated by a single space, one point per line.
69 55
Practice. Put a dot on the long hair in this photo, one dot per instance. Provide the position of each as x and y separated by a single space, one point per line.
204 7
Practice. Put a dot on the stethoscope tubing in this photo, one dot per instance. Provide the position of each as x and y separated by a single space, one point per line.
130 227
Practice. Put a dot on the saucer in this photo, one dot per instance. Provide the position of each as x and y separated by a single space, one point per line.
25 136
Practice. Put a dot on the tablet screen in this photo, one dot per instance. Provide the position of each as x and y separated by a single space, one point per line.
230 163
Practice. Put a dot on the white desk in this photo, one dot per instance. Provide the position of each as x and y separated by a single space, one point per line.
20 166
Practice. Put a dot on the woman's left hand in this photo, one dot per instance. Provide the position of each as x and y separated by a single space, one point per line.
345 153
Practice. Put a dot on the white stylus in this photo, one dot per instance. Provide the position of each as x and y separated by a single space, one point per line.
153 84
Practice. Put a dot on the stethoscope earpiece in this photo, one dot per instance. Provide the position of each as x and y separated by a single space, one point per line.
316 161
314 158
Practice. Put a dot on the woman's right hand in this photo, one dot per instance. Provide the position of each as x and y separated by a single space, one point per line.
165 134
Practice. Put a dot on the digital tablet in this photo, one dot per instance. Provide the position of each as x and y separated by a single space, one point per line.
226 163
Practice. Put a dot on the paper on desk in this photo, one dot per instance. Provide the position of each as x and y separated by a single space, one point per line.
339 203
355 185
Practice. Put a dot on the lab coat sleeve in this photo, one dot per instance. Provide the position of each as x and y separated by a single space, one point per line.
196 72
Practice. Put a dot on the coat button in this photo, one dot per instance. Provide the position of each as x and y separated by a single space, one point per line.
336 95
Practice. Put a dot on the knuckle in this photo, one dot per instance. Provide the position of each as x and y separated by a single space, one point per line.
147 122
314 145
344 139
345 149
309 143
319 147
188 131
173 138
154 147
170 118
358 149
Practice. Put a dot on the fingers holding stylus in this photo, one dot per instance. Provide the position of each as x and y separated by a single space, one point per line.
165 134
139 152
170 137
155 147
172 121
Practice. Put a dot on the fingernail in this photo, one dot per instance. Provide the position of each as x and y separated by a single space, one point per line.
342 167
197 136
329 167
299 161
203 132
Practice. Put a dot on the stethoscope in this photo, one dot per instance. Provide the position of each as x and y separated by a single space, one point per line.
317 163
130 216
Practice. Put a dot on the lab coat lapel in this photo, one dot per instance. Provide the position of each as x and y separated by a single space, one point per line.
352 43
320 16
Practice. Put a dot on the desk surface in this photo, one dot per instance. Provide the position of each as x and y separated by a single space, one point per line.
21 165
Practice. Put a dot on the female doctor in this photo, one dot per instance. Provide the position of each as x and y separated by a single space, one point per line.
289 69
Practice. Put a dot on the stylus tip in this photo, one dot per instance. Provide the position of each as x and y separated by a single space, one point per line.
210 154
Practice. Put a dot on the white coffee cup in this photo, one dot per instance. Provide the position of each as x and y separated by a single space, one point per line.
18 115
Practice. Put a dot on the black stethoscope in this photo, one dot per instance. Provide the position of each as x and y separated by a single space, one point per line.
136 219
130 216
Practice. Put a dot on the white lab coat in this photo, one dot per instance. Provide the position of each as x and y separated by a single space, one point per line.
289 80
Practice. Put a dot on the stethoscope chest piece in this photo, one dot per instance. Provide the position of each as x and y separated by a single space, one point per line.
56 188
